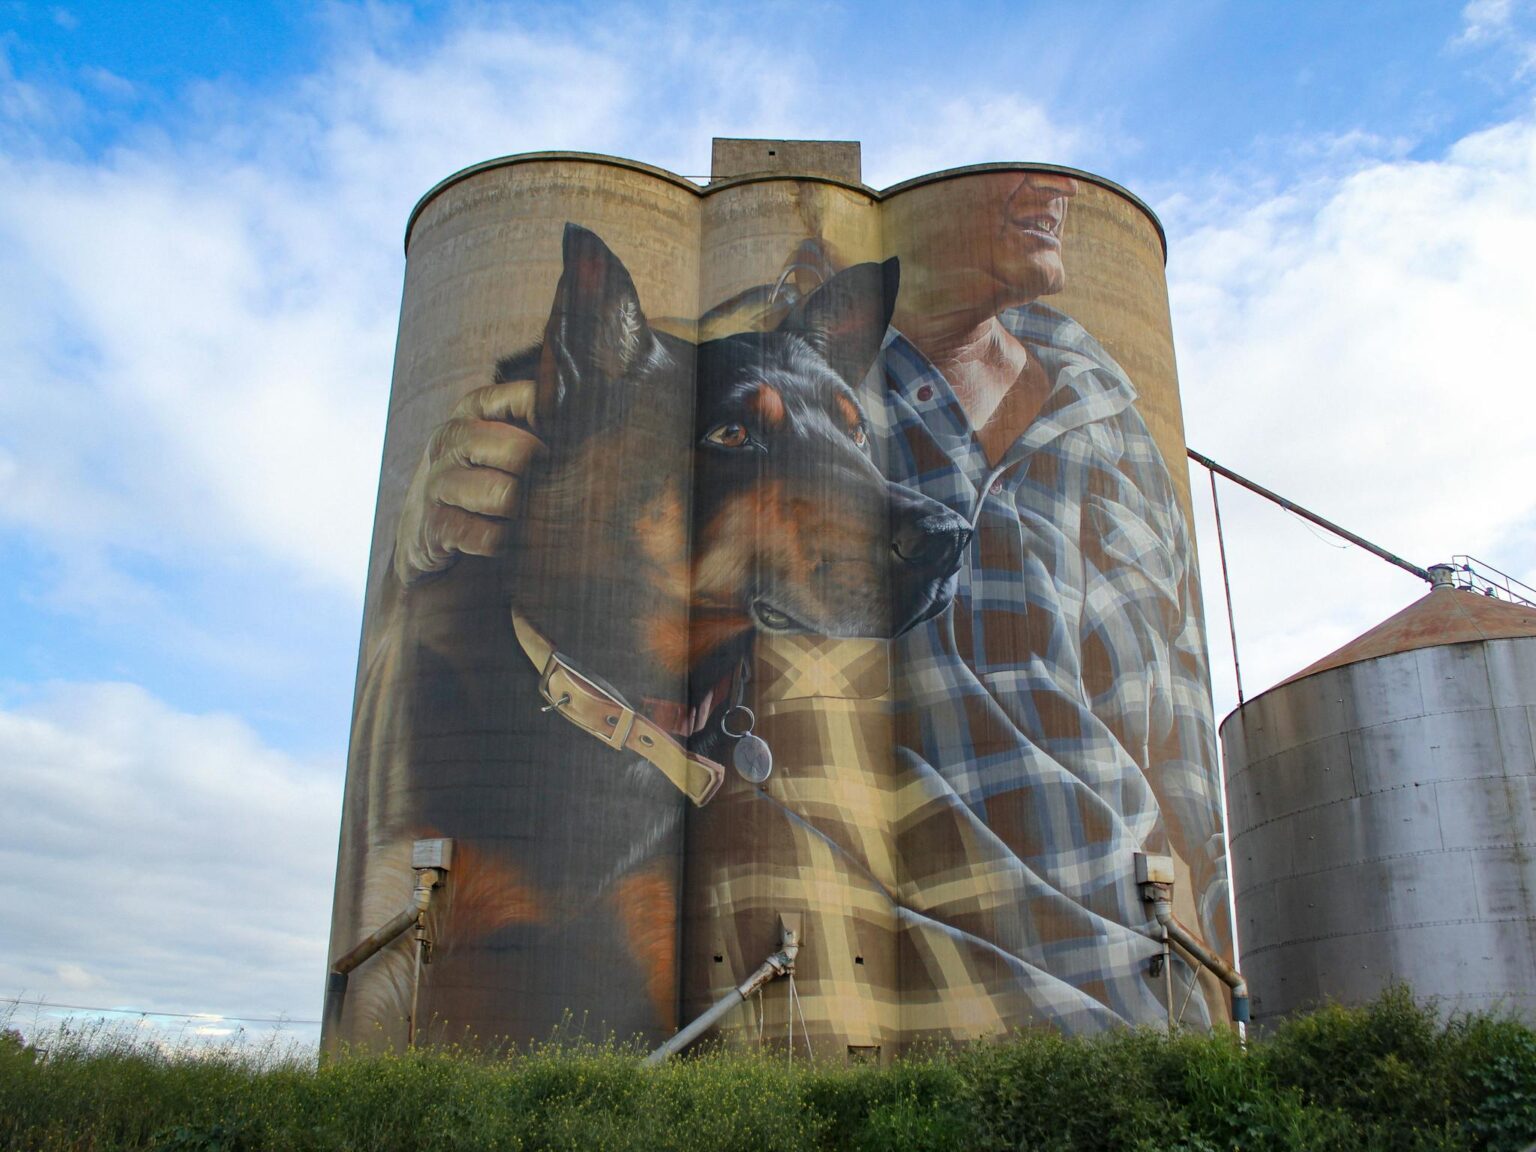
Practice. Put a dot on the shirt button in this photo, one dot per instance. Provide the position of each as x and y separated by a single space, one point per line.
925 393
997 487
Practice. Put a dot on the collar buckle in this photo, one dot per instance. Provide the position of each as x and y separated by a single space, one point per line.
561 686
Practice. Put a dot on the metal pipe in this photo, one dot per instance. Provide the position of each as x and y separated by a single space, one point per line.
420 950
1305 514
376 940
1162 908
336 979
1226 589
1168 977
426 880
779 963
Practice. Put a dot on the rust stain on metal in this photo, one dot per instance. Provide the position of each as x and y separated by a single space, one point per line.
1443 616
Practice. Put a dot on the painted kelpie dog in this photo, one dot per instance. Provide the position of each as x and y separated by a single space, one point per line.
551 709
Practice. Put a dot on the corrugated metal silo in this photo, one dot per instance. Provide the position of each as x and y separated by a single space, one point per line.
1383 814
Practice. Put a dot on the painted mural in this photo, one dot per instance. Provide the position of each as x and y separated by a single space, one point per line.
779 551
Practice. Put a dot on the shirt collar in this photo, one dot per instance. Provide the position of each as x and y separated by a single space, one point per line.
1087 384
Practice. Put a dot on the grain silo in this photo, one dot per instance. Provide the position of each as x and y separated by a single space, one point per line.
1383 809
779 580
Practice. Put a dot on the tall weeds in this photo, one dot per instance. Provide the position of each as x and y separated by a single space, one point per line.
1390 1076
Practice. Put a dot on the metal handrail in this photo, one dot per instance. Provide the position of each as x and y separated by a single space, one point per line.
1480 576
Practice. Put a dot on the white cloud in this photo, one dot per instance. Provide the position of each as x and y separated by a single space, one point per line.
161 860
926 136
1493 24
200 352
1483 20
75 976
1358 344
109 84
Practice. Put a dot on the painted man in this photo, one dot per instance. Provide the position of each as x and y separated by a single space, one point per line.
1065 701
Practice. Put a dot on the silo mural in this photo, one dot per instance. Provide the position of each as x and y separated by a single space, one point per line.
779 552
1383 809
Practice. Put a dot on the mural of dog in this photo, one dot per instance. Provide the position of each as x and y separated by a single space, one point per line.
555 708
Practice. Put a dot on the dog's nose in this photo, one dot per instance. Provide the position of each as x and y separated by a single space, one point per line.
929 538
933 545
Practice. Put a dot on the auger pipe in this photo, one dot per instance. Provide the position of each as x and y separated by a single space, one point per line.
778 964
1307 514
336 980
1185 939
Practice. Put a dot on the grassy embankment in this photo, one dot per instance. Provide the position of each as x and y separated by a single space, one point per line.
1394 1077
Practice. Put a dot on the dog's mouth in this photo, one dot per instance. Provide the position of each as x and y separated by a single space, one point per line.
771 619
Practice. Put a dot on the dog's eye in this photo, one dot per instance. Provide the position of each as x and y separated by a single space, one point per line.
730 436
860 437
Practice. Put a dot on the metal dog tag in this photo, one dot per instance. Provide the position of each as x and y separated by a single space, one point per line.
750 755
752 758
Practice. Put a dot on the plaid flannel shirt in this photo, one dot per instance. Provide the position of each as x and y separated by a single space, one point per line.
1066 698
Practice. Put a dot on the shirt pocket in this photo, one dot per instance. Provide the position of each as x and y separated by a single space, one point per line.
796 667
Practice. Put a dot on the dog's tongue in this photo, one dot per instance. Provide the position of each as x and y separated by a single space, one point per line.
680 720
699 716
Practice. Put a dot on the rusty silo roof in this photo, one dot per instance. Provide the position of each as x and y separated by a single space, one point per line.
1444 616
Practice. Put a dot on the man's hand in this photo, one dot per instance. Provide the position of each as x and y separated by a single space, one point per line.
466 489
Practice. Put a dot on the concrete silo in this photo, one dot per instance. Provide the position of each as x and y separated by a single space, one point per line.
778 576
1383 814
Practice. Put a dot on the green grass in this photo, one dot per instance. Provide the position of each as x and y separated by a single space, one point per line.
1392 1076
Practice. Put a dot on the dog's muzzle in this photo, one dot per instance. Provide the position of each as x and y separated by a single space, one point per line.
928 539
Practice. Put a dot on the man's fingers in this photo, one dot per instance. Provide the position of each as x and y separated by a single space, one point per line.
482 491
510 401
466 489
454 530
485 444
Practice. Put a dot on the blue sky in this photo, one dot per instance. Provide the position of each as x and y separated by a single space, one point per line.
201 212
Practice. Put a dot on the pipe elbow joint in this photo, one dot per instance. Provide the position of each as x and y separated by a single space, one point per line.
783 961
426 880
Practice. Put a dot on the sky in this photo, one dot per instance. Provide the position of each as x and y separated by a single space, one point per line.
201 221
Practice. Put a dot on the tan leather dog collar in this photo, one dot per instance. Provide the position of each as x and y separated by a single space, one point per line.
602 713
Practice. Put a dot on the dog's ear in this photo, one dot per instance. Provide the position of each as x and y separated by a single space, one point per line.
596 331
846 318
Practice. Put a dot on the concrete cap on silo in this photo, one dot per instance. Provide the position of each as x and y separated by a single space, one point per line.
732 157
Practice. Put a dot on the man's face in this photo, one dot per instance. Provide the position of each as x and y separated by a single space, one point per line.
1026 253
996 245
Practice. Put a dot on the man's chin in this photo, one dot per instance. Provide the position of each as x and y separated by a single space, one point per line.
1031 276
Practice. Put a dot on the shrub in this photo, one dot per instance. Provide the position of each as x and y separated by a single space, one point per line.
1392 1075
